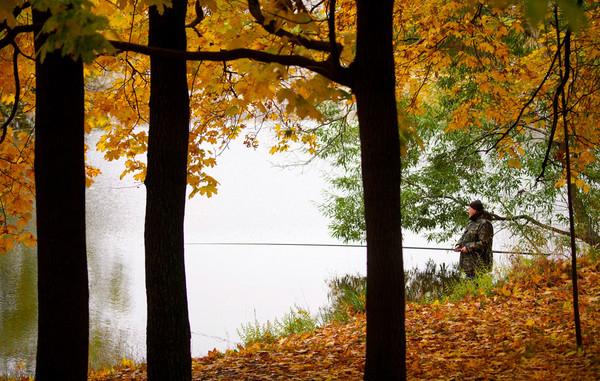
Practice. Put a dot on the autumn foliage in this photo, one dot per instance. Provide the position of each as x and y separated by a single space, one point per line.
521 330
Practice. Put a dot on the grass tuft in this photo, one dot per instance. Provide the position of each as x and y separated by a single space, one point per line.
298 320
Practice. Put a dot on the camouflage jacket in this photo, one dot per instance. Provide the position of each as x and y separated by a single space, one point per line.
477 238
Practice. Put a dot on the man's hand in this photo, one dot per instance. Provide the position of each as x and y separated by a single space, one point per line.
462 249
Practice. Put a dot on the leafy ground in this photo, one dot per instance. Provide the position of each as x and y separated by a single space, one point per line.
521 330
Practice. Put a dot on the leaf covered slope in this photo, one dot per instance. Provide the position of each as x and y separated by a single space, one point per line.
522 331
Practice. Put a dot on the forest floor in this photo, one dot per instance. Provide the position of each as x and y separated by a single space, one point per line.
521 330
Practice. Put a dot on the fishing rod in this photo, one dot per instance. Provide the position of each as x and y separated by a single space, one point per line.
344 245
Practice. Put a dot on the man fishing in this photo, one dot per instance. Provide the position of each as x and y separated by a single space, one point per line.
475 245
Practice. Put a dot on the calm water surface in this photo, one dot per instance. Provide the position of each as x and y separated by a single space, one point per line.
227 285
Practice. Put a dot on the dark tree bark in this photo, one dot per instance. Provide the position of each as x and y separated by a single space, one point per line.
374 87
168 330
63 328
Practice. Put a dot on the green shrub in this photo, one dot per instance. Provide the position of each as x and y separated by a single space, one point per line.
346 296
594 254
483 283
432 283
298 320
252 333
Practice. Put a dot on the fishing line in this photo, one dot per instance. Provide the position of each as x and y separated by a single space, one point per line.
343 245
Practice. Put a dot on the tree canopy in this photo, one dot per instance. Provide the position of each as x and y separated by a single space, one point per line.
484 104
484 72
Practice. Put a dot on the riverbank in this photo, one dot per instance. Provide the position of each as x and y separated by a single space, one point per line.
520 330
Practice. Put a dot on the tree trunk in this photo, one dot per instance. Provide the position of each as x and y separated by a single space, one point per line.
374 87
168 330
63 326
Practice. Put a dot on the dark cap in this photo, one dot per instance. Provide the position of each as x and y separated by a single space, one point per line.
477 205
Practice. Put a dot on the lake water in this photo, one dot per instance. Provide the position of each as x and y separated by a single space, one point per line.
257 202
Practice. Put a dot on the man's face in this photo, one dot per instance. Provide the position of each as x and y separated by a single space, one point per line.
471 211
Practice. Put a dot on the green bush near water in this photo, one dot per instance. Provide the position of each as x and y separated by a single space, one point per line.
298 320
347 296
431 284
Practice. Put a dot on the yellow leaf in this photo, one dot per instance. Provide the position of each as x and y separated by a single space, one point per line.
486 47
112 35
518 27
127 363
208 190
514 163
232 110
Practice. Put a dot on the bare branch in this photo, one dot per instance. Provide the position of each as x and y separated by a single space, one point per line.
530 220
559 90
17 94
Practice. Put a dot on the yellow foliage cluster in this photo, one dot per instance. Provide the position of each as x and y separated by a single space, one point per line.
17 194
514 67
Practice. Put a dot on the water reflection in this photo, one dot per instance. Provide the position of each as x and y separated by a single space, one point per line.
114 228
110 307
18 308
113 334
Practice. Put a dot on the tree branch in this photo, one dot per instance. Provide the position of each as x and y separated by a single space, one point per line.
432 196
531 99
335 53
559 91
13 32
590 239
254 8
15 107
530 220
199 16
325 68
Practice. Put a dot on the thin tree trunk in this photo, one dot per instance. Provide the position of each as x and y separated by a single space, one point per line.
63 325
380 146
168 330
564 114
578 337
